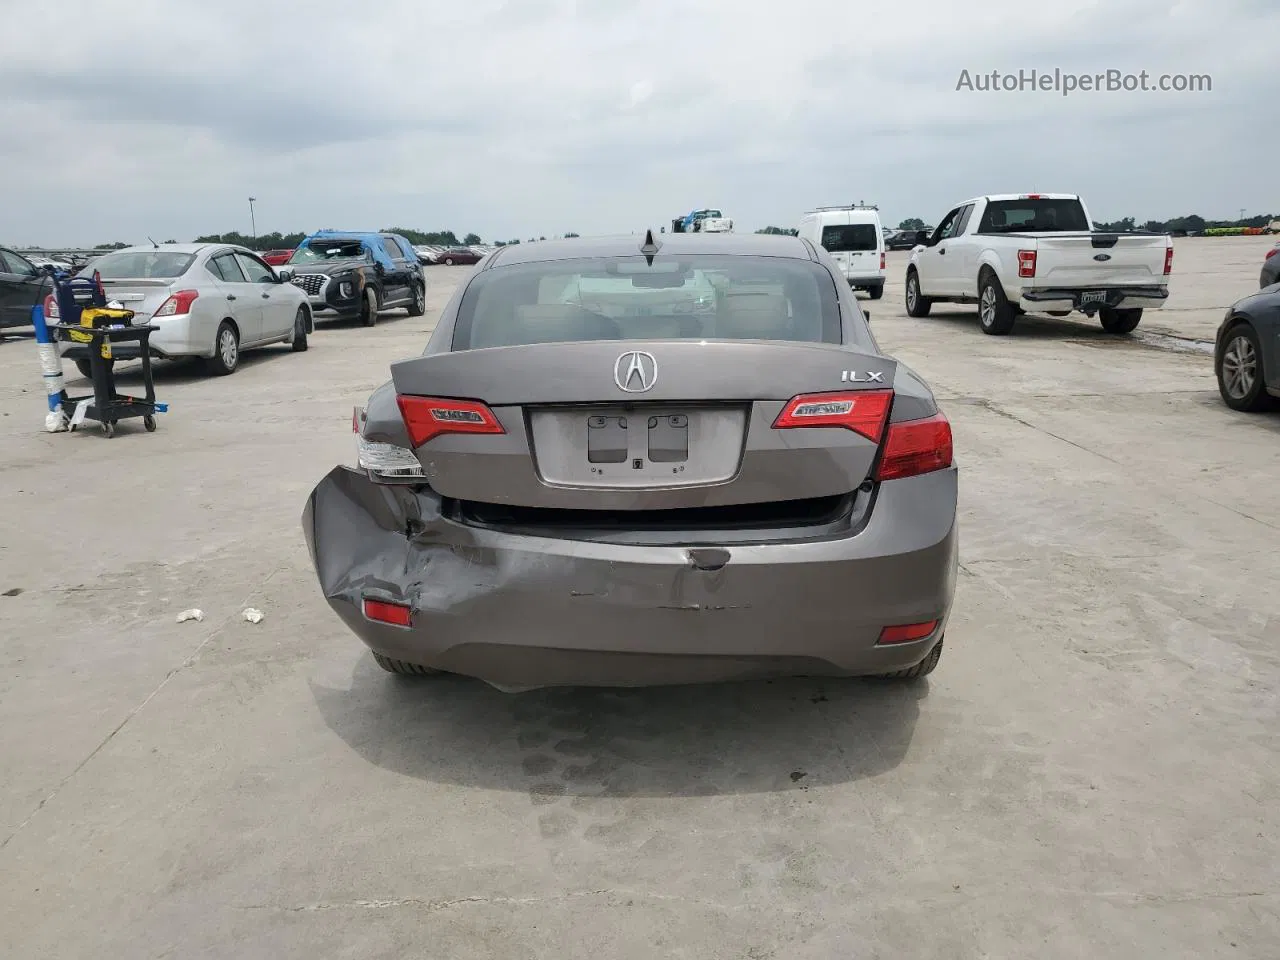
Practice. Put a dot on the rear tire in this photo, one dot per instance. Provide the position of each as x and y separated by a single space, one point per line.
921 669
918 305
86 368
419 305
876 292
1119 321
369 307
995 312
403 667
226 351
299 341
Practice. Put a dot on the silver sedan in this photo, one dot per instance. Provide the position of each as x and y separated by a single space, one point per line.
208 300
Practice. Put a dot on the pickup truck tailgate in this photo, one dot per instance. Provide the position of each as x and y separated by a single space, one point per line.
1099 260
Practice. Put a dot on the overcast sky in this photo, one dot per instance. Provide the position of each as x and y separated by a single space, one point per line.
121 119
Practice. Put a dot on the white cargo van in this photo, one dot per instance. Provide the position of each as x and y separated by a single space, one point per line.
854 237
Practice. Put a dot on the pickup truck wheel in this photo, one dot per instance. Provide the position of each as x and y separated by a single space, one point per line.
419 305
995 312
1119 321
876 292
369 307
1240 376
918 305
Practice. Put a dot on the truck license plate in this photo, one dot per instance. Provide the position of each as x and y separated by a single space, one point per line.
1093 296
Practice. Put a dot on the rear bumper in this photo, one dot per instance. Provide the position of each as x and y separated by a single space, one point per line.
1054 299
178 336
521 611
870 280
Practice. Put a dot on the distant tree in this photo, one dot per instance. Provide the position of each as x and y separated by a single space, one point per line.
911 223
779 231
1125 225
542 238
266 241
471 239
569 236
438 238
111 246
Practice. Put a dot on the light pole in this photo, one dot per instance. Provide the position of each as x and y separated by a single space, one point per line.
252 222
1242 213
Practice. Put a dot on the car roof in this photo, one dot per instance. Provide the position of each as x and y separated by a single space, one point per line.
1000 197
669 244
167 247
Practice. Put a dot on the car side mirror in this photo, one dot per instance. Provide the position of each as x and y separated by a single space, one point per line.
284 275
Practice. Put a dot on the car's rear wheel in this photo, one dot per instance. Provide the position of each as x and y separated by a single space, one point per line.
1119 321
299 341
403 667
918 305
226 351
876 292
86 369
419 305
1241 381
921 669
995 312
448 261
369 307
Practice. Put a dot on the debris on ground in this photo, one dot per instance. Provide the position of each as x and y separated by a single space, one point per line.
253 615
192 614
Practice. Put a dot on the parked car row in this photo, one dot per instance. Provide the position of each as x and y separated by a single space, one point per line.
430 255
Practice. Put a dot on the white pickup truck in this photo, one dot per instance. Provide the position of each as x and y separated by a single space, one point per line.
1037 252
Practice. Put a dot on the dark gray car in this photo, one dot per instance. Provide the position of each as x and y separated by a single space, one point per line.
1247 352
1270 267
625 462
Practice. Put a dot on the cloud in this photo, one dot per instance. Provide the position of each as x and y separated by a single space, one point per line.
518 118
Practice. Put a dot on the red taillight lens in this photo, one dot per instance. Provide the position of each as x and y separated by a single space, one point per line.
177 304
914 447
1168 259
1026 263
881 259
862 411
396 614
907 632
51 311
429 417
1168 256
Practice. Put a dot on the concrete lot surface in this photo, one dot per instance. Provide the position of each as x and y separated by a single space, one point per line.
1092 772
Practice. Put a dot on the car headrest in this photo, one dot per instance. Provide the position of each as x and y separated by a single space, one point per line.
753 316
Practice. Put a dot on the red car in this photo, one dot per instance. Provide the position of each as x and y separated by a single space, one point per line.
276 257
452 255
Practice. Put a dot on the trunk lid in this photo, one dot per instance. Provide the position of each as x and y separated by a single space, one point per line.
645 425
143 296
1099 260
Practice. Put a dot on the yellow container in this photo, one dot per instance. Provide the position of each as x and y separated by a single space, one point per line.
96 317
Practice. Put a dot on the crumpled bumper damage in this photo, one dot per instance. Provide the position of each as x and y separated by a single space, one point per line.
524 611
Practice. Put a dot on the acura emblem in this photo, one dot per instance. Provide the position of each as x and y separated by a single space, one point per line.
1102 257
635 372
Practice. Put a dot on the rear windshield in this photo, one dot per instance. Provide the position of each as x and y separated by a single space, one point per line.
697 297
315 250
851 238
141 264
1014 216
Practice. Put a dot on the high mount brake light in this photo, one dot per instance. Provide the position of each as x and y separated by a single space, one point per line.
913 447
862 411
426 418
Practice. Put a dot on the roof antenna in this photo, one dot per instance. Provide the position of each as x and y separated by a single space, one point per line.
650 246
154 245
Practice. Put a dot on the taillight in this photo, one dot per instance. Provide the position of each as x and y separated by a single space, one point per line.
1026 263
1168 260
913 447
881 259
907 632
426 418
383 611
177 304
863 411
51 311
1167 257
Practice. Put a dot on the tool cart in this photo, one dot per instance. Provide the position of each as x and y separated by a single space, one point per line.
88 322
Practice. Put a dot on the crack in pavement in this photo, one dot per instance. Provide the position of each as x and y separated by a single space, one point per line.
423 903
187 661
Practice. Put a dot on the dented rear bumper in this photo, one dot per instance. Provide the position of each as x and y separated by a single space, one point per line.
527 611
